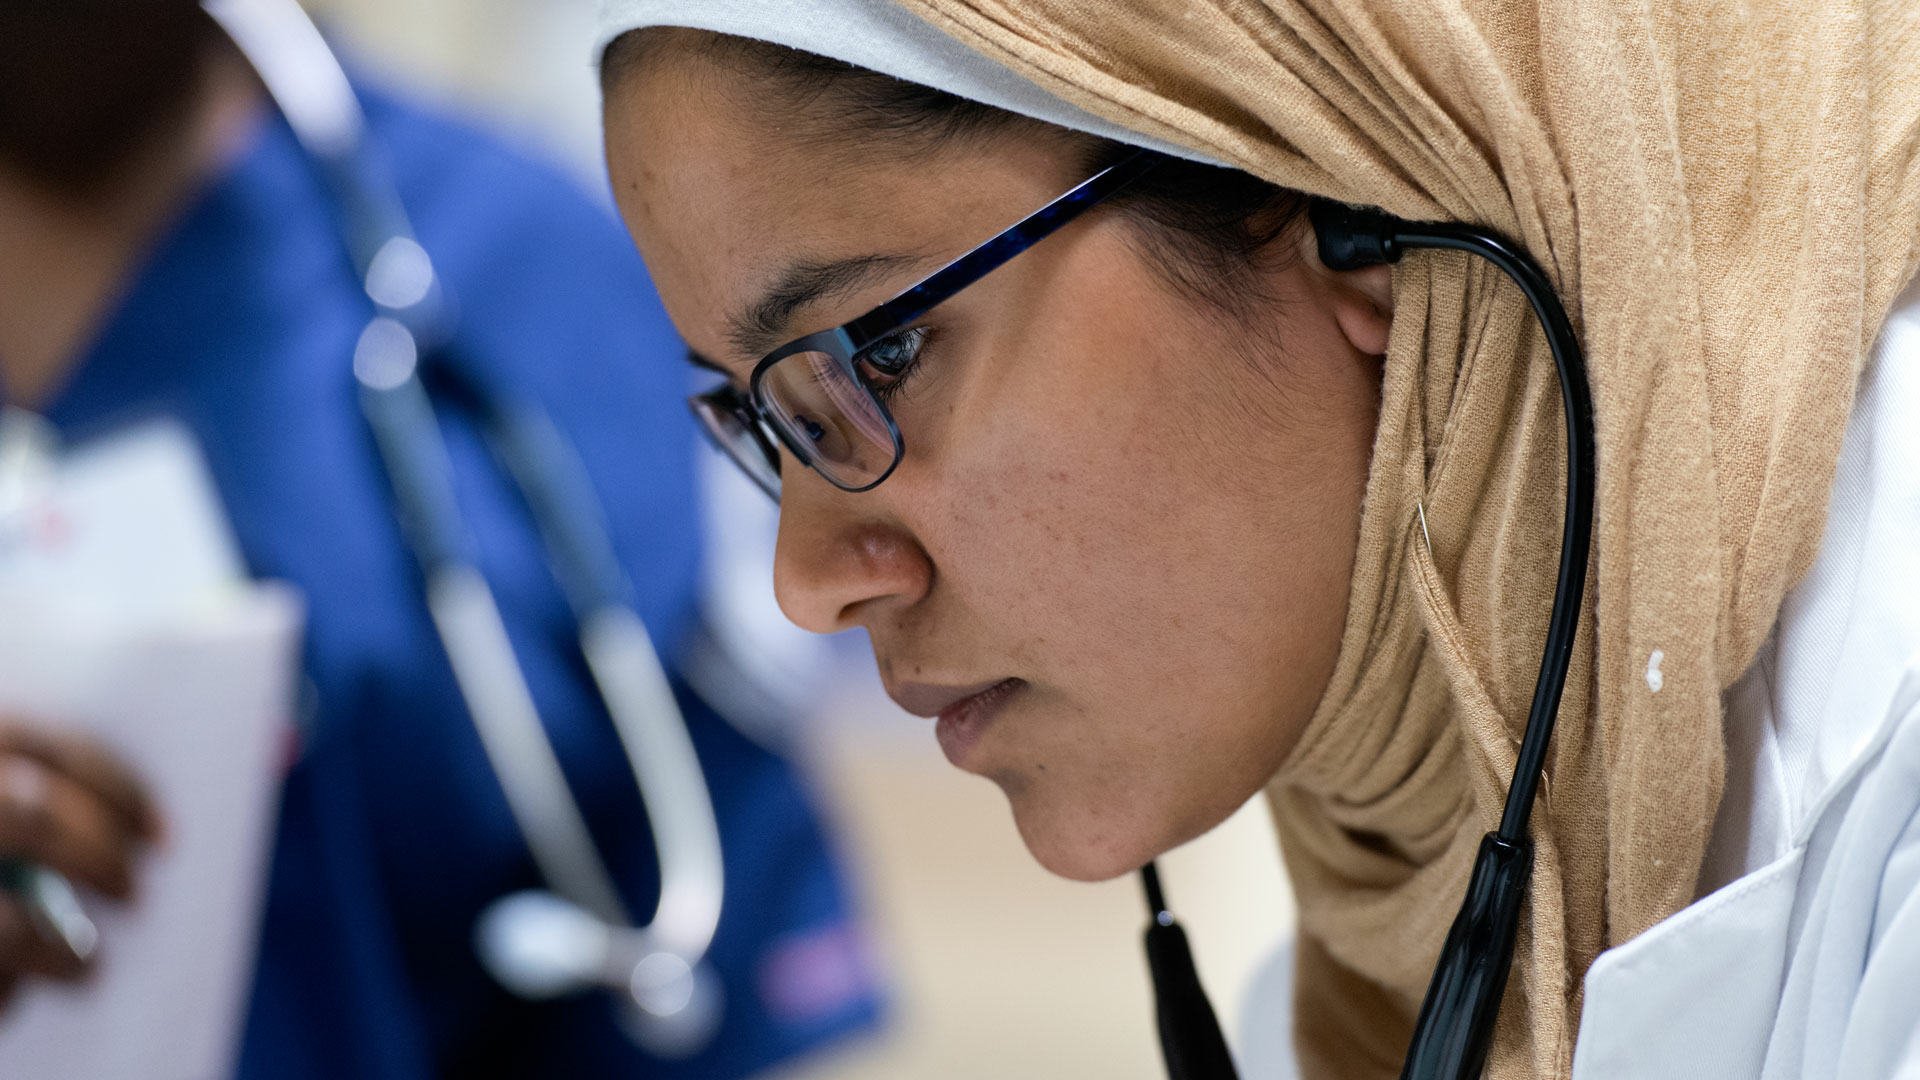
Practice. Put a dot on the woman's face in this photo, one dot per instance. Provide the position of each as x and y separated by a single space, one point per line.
1114 560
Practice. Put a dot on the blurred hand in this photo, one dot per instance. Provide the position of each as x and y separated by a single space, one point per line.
65 803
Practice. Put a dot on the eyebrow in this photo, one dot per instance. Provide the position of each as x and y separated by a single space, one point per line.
763 324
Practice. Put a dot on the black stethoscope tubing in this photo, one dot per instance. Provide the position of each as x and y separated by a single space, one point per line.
1455 1026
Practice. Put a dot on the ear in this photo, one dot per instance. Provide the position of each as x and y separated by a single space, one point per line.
1363 306
1362 300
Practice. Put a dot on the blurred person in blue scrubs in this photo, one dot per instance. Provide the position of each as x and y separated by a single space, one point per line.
167 250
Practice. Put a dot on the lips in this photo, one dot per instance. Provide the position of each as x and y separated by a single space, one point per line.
964 712
930 700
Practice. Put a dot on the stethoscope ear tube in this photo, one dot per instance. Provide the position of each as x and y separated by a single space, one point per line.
624 664
1455 1026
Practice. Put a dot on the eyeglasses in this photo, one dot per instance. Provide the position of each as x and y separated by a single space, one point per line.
811 396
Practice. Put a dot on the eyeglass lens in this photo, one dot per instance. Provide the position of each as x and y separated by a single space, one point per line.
726 424
828 418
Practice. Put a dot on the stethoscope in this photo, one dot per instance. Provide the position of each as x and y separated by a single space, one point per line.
1455 1024
543 944
577 933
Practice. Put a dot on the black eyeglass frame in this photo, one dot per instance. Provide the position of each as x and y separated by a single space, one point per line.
845 343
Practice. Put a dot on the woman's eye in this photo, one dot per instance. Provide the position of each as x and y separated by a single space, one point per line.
887 363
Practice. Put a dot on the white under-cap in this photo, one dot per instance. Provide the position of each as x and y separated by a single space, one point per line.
874 34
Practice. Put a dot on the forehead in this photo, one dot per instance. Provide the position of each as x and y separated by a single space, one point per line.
721 189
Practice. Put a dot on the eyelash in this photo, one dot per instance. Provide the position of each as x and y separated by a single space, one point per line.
915 338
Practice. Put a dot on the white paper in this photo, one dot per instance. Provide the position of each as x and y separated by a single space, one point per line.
124 612
201 711
125 528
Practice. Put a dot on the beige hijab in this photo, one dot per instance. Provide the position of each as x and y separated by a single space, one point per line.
1728 196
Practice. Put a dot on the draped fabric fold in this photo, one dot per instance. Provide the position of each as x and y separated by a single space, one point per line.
1728 198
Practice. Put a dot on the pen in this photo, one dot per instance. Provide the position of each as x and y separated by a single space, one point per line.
51 904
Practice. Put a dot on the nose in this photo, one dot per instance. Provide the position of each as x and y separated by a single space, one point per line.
838 564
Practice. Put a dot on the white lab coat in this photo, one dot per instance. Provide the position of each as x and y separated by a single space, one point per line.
1801 959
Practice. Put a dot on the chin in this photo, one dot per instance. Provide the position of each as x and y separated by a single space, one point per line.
1080 843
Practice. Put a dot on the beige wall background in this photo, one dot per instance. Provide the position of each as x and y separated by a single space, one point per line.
997 968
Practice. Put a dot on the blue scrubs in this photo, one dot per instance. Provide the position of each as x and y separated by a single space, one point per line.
393 832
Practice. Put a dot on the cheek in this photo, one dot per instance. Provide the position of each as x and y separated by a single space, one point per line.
1061 488
1120 487
1163 554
